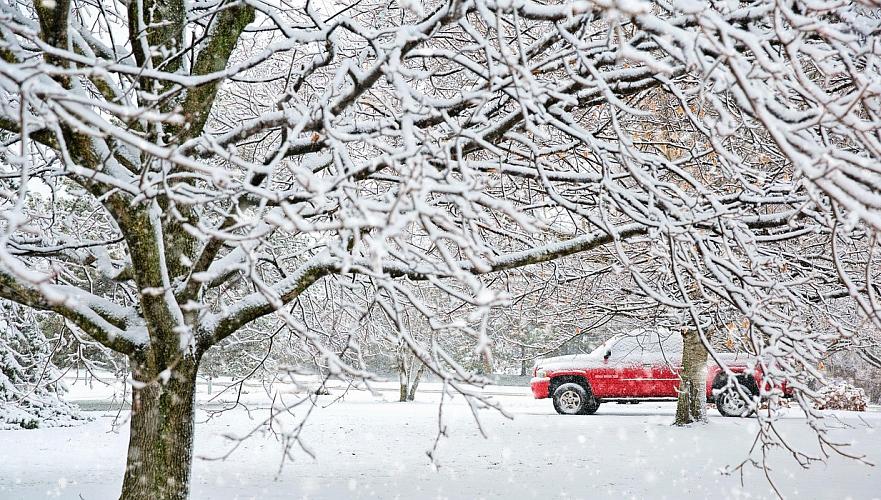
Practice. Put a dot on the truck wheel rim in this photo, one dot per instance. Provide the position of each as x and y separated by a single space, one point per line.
733 404
570 401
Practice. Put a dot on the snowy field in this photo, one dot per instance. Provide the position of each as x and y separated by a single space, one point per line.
369 447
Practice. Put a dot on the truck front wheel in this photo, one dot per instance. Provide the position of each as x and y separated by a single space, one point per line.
574 399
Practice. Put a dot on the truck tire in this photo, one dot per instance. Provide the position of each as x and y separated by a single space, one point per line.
728 400
574 399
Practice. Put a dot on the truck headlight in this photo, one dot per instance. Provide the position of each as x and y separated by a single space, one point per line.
540 373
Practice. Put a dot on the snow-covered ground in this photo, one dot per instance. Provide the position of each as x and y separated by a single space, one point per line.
368 447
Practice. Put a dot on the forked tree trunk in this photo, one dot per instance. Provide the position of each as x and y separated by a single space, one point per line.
161 437
411 396
408 381
691 406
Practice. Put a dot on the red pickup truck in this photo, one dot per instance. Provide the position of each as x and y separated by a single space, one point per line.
640 366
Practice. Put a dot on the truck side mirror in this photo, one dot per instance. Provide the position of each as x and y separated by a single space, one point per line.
607 355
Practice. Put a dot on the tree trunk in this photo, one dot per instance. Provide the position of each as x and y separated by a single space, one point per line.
403 377
161 436
691 406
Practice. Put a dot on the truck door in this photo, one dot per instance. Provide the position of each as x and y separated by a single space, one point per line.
634 378
666 354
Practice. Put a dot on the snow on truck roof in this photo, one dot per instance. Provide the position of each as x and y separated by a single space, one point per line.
659 345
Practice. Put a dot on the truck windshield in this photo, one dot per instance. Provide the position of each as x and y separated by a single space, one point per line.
605 346
640 344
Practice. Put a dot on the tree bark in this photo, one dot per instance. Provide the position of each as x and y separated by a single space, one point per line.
161 436
691 405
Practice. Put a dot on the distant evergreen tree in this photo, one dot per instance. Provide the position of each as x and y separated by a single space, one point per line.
30 392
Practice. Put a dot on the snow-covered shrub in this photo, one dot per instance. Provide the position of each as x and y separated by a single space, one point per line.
858 362
38 410
841 395
29 395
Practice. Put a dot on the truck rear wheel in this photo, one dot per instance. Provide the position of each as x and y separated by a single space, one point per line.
728 400
574 399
